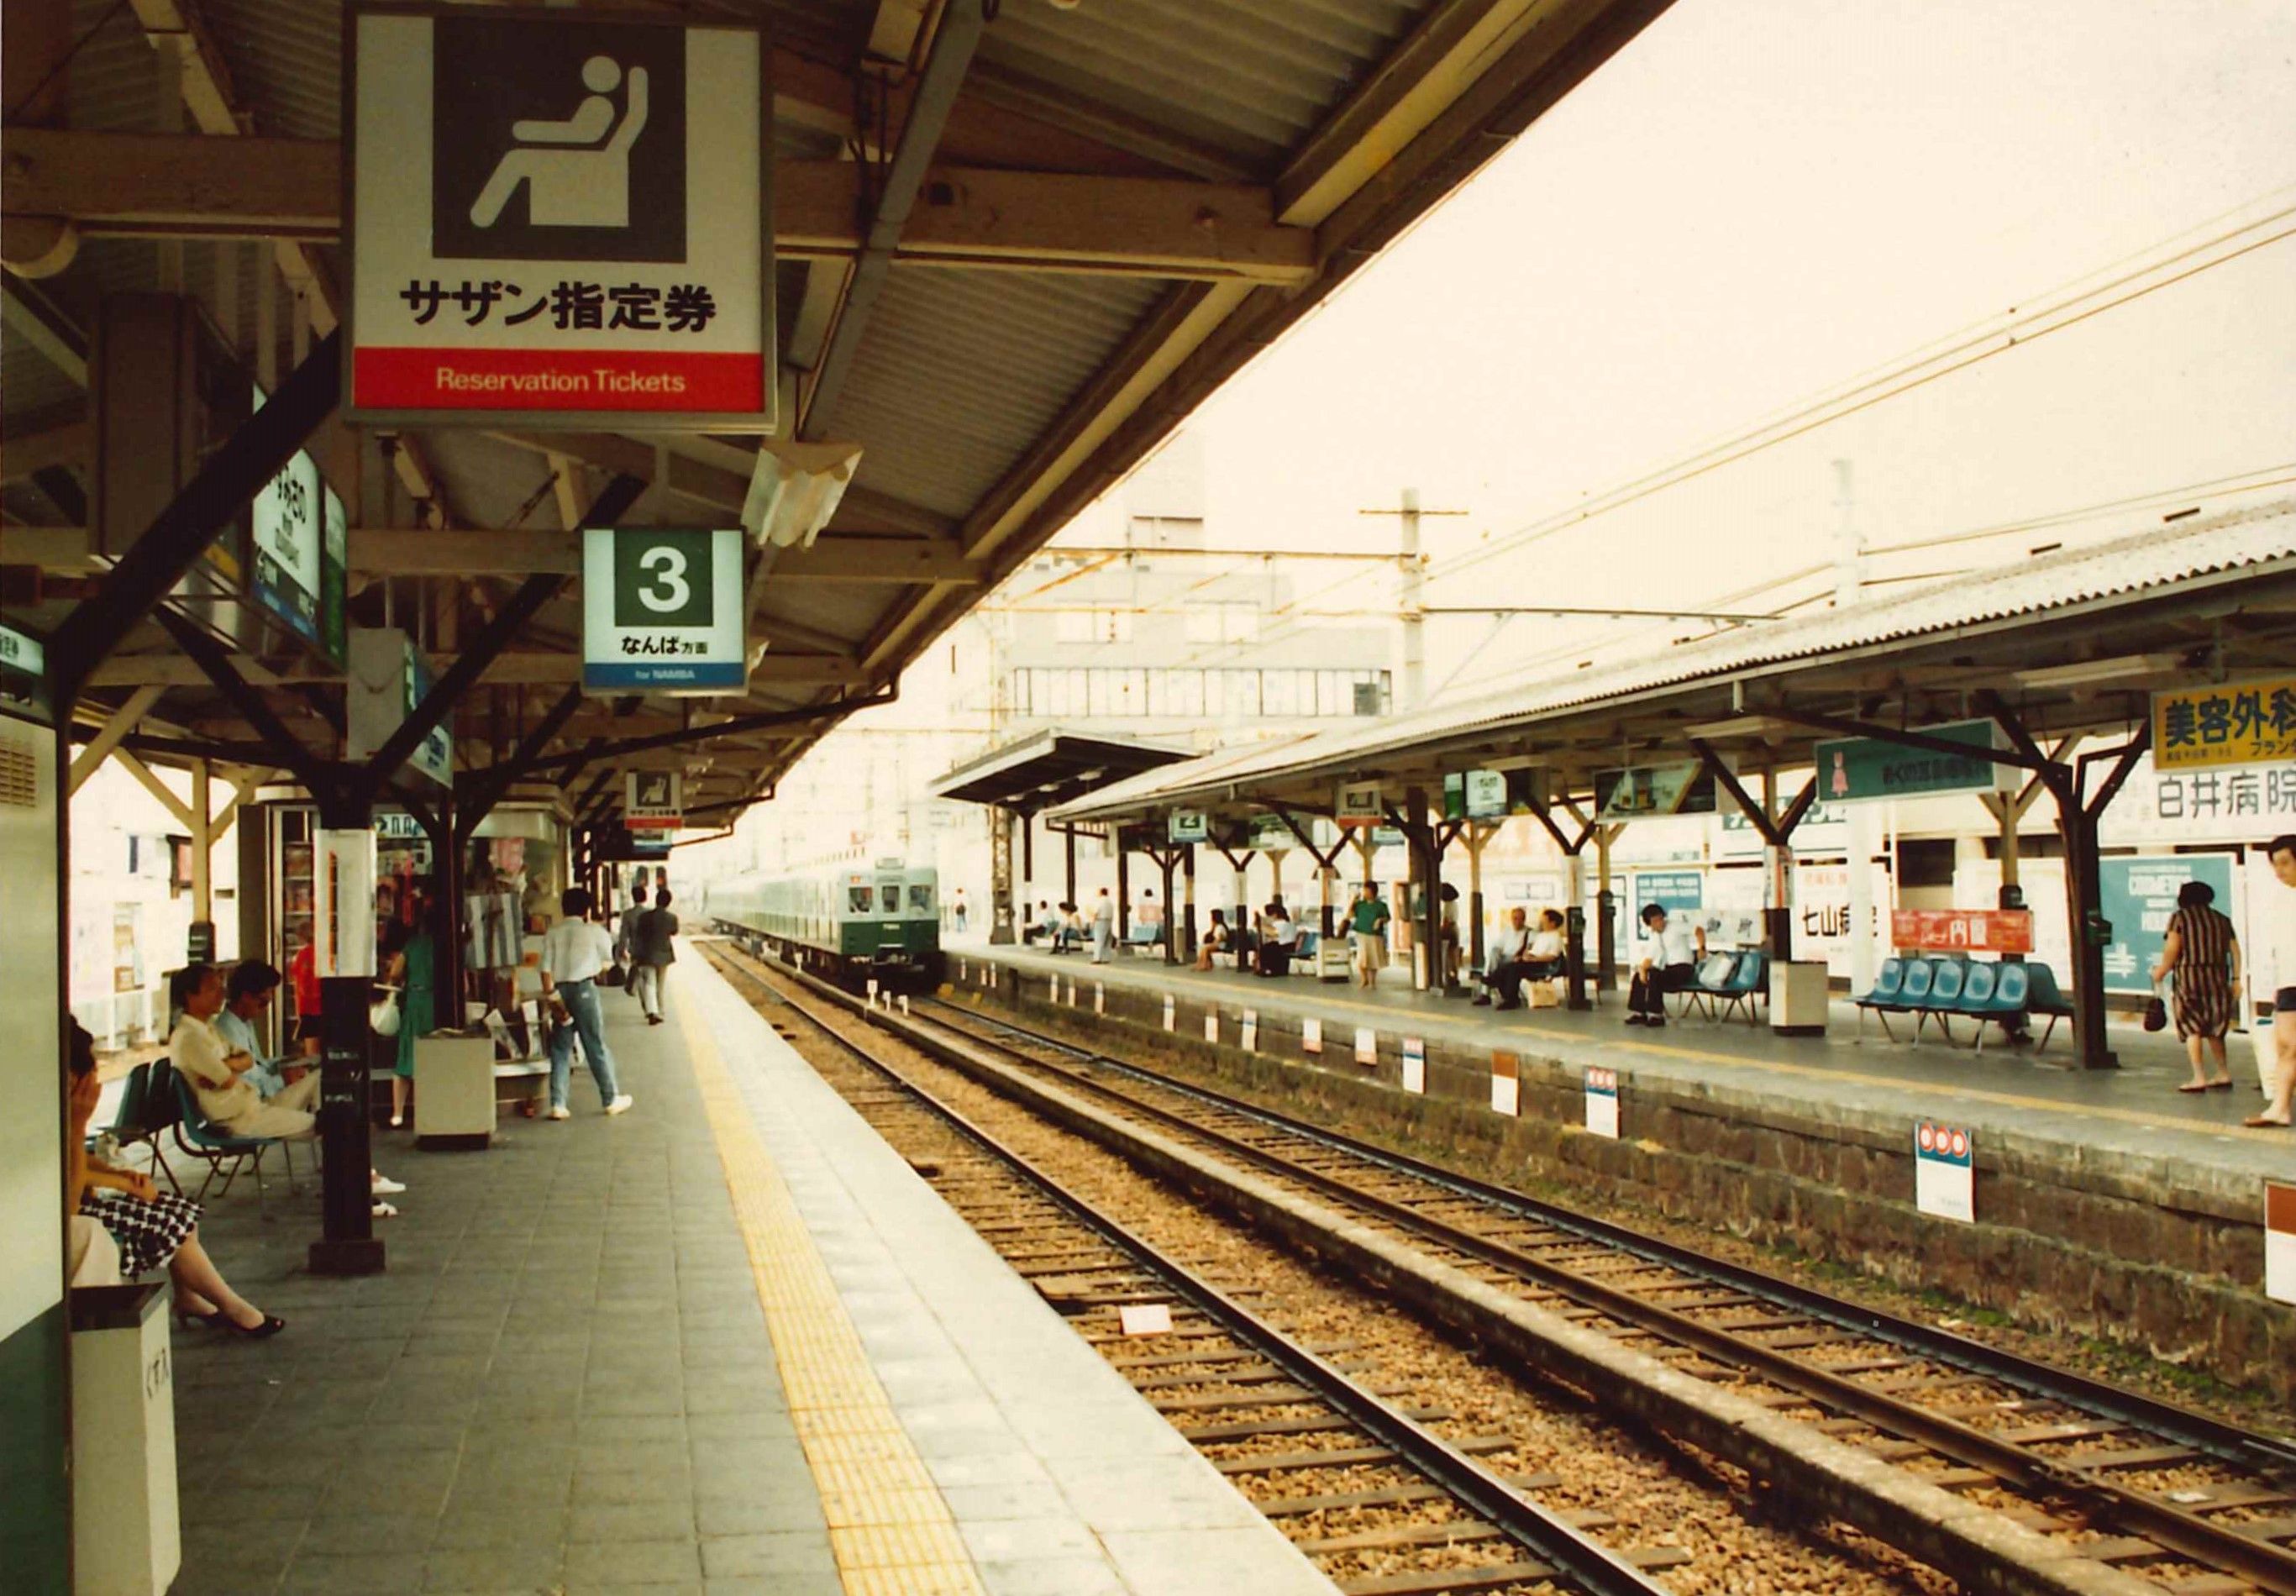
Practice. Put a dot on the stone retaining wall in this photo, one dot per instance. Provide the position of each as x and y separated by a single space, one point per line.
2068 1238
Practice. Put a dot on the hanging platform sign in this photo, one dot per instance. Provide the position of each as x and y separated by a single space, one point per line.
388 677
653 800
1645 791
663 612
1854 770
1489 794
2240 722
1188 826
23 668
557 216
1359 804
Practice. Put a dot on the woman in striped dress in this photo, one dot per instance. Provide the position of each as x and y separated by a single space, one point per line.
2201 948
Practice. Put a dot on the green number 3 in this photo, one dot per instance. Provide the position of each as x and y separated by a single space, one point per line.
669 590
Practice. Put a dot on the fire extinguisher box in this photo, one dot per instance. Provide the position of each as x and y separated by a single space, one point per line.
126 1539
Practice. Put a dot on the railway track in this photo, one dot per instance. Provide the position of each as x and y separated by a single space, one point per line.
2194 1505
1289 1421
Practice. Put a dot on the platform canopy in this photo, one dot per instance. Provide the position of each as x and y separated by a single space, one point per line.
1016 244
1051 767
2066 643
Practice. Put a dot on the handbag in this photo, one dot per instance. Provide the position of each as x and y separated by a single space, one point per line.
2156 1012
382 1015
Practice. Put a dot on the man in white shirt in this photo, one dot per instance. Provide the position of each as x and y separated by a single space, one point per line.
2282 1092
1500 959
219 1073
574 953
1672 967
1103 926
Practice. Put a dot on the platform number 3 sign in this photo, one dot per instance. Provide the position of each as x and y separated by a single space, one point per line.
662 611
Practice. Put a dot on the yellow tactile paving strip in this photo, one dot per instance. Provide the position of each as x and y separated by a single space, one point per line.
889 1528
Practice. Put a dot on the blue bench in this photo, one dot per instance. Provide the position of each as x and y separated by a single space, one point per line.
1939 988
1724 982
1141 938
202 1138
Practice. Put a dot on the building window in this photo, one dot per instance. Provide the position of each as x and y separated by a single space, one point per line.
1092 625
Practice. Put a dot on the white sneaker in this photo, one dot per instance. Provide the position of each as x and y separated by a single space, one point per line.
560 1111
620 1105
383 1186
383 1210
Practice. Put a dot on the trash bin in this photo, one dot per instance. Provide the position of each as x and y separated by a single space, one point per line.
1800 997
454 1089
126 1538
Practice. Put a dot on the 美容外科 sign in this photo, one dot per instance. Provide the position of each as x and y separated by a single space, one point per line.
2240 722
557 215
1854 770
662 611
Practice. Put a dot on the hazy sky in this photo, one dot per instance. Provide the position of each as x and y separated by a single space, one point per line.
1755 201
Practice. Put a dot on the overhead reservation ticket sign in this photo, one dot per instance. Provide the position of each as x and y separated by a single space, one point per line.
554 215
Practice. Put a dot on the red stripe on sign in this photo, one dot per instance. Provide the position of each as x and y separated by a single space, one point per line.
546 379
2280 1207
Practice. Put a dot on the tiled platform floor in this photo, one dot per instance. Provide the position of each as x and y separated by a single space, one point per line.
565 1382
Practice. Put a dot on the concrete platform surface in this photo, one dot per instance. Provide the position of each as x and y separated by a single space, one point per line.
2133 1115
726 1342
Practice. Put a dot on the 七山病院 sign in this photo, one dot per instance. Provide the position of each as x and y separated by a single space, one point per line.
2136 895
662 611
653 800
1853 770
1645 791
2240 723
557 215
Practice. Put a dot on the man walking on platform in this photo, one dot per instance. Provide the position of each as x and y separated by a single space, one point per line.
574 954
653 954
1103 926
2283 1089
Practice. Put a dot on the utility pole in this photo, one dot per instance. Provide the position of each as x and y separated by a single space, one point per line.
1849 585
1411 686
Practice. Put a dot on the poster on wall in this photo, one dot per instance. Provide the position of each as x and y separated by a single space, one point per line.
2138 894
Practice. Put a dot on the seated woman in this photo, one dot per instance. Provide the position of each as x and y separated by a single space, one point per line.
149 1228
1215 939
1276 940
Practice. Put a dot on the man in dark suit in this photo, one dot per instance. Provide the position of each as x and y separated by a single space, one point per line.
652 952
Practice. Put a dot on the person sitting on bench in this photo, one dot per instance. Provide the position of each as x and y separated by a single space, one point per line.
1214 940
1502 961
1671 967
1276 935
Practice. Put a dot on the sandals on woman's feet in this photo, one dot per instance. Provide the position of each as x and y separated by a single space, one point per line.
2265 1122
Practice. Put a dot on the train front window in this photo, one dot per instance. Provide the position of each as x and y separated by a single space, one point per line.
856 900
920 898
891 893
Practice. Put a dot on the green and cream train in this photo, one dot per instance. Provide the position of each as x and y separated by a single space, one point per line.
848 924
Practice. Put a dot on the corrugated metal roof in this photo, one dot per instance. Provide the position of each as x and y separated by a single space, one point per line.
961 371
2145 563
1251 79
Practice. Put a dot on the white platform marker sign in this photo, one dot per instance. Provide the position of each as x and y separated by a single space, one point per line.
1211 1026
1507 1084
558 218
1367 1045
1414 1064
1311 1036
1247 1035
1945 1172
1099 998
1603 1101
2280 1241
1171 1009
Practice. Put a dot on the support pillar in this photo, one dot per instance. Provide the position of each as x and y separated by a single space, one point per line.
1000 878
1478 838
1028 860
1123 887
1188 916
348 1244
1606 913
1165 860
1068 864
